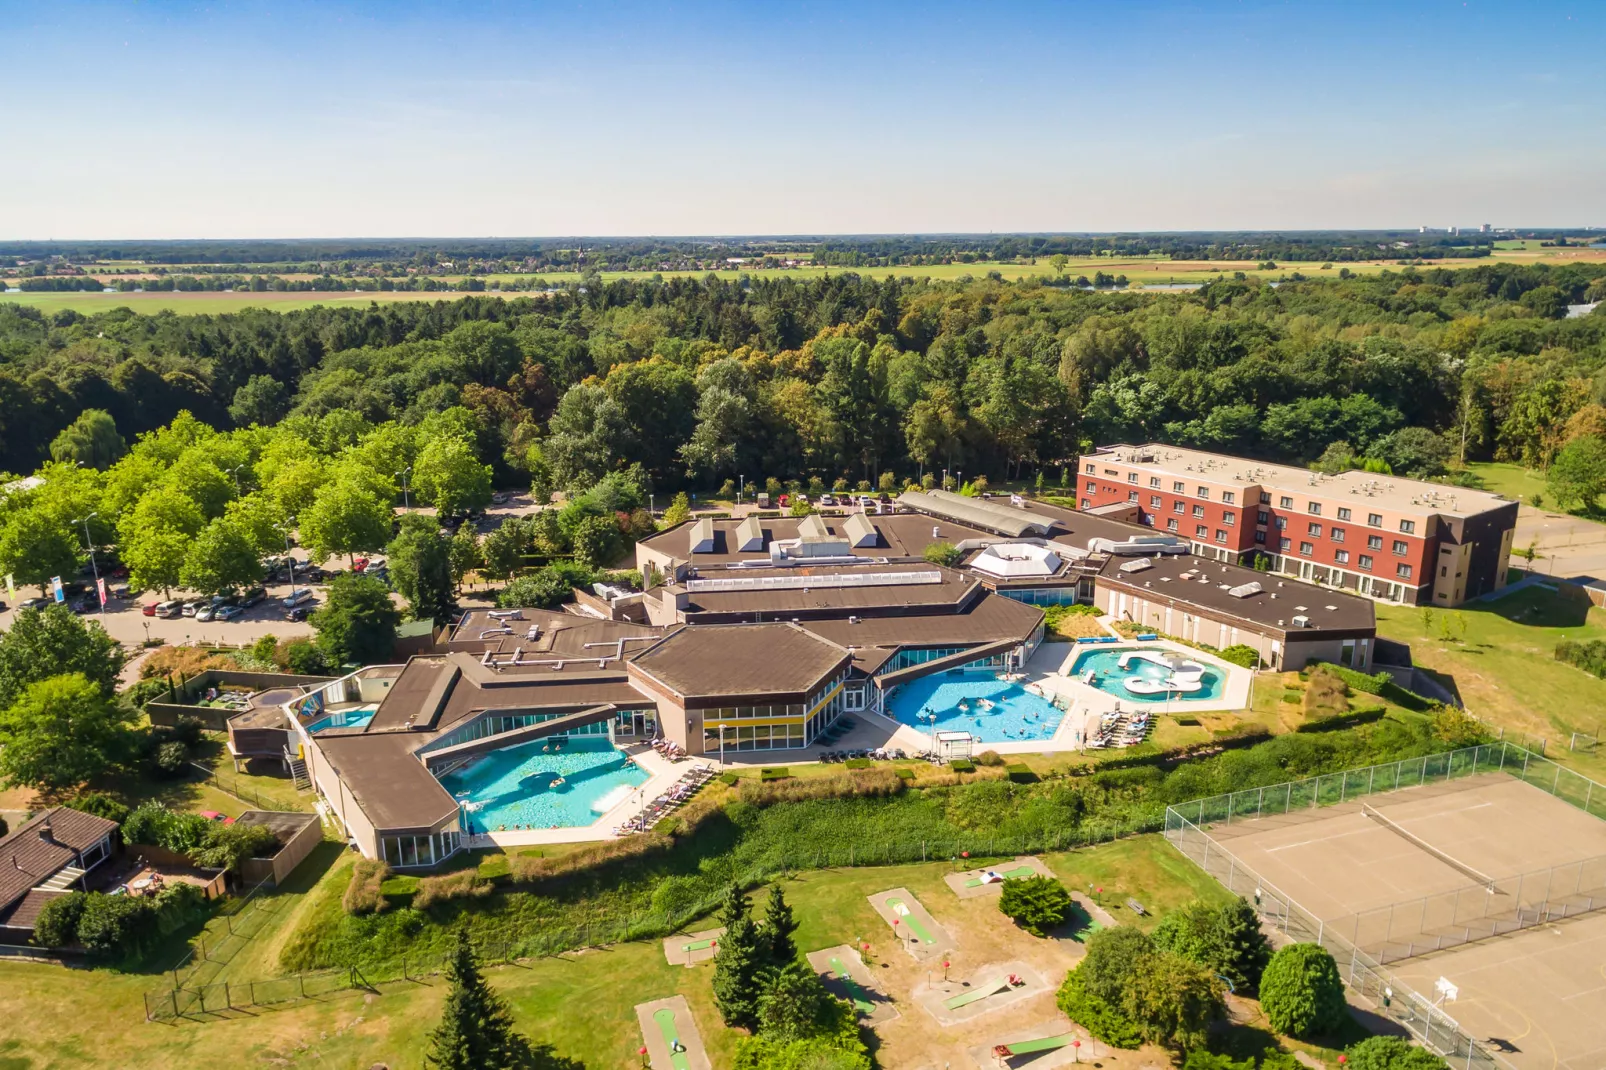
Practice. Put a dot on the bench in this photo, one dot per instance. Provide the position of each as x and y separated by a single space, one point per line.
1135 906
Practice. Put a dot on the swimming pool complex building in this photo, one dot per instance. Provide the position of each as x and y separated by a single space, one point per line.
758 636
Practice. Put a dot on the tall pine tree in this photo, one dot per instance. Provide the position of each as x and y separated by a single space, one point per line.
779 925
740 963
476 1030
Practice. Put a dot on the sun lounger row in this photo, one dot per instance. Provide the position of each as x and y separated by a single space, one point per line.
670 801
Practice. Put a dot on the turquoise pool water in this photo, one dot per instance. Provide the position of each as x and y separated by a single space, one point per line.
1016 713
510 788
353 718
1109 677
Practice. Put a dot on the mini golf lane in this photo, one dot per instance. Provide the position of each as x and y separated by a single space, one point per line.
974 883
688 949
670 1035
987 989
847 977
912 925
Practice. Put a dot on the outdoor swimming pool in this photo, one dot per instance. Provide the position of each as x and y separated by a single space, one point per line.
353 718
1015 713
1111 678
514 788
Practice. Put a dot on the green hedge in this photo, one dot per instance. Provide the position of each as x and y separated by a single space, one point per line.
1589 656
858 763
904 774
1339 721
962 765
399 891
774 774
1020 773
1380 684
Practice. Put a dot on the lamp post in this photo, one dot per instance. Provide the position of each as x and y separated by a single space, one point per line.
406 501
928 715
741 485
235 472
93 568
285 527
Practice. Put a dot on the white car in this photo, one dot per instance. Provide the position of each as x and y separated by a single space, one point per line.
301 597
227 612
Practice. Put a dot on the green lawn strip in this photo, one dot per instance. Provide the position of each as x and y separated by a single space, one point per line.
698 945
953 1003
860 1002
1009 874
909 919
666 1025
1029 1047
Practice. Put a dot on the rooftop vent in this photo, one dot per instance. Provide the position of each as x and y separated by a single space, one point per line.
1301 621
1244 590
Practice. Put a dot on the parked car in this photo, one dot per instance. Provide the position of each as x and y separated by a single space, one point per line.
251 596
35 603
301 612
85 603
299 598
149 609
122 590
499 498
209 610
3 606
170 609
227 612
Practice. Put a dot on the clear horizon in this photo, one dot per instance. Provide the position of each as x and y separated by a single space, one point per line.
183 121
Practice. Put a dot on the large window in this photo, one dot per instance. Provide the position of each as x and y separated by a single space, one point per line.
406 851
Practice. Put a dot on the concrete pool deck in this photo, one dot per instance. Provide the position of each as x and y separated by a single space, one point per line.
1050 666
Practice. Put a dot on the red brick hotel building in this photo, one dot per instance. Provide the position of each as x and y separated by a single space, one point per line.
1394 539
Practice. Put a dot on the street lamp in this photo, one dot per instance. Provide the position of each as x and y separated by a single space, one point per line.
404 473
928 715
235 472
93 568
741 485
285 528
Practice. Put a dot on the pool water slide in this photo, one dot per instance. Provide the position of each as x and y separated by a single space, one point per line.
861 1002
901 909
677 1051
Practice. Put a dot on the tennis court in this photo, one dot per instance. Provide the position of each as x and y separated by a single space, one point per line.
1484 867
1338 861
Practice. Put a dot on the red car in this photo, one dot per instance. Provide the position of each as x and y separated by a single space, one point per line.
148 609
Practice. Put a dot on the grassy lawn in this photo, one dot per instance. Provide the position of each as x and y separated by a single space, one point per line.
1504 666
1512 481
583 1004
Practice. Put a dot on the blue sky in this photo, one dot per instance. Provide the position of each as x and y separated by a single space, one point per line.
297 120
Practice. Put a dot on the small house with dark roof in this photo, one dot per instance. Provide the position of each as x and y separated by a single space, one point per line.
45 857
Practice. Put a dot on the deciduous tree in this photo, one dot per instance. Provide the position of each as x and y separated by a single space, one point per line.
61 732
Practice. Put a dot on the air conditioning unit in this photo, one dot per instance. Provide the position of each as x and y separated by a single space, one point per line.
1302 621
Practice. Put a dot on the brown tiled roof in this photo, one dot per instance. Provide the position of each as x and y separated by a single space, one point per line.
27 858
25 911
392 786
988 619
714 660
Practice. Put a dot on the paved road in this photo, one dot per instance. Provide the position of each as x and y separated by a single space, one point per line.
1566 547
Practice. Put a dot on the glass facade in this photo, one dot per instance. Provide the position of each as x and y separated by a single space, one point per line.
786 726
1045 596
502 723
405 851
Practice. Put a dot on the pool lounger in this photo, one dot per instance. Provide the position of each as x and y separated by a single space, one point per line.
1031 1047
860 1001
1009 875
982 992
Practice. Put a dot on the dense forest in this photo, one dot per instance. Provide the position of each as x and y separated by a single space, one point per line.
699 381
392 257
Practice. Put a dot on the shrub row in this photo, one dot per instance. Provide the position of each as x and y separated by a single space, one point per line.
118 926
365 893
1589 655
1379 684
1349 719
873 782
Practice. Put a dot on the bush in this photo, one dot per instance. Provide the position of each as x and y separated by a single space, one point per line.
302 657
1227 939
1101 1019
857 783
229 846
1301 992
114 926
858 763
962 765
944 553
363 895
172 759
1020 773
399 891
774 774
1036 904
1241 654
1379 684
57 924
904 774
101 805
464 884
990 757
1392 1053
174 830
1325 694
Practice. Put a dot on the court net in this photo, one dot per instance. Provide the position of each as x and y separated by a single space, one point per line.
1482 878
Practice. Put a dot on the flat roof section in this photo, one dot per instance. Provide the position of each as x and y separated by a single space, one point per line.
1003 520
1209 585
724 660
555 632
897 535
1395 493
988 619
832 590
